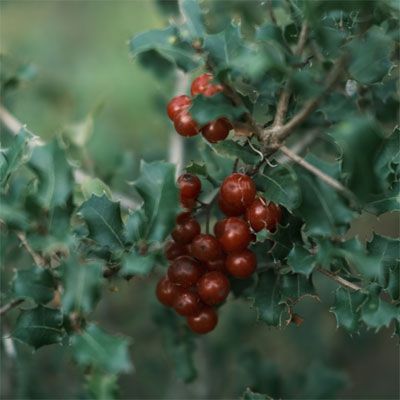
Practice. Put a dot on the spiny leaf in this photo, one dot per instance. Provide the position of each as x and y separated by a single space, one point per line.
102 386
233 150
135 228
135 264
296 286
301 260
197 169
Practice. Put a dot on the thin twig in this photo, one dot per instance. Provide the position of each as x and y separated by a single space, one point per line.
338 279
271 12
9 306
37 258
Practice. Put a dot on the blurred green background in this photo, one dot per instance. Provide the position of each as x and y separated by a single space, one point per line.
81 54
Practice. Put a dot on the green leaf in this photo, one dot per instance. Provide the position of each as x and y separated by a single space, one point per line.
388 201
54 175
208 108
82 285
102 386
370 56
135 228
296 286
35 283
301 260
197 169
156 185
178 342
96 348
249 395
103 219
233 150
135 264
96 187
267 300
193 18
347 308
280 185
39 326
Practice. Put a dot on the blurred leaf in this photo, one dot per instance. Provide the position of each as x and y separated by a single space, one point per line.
103 219
39 326
96 348
82 285
296 286
135 227
387 201
233 150
35 283
102 386
95 186
156 185
301 260
135 264
13 216
197 169
249 395
193 18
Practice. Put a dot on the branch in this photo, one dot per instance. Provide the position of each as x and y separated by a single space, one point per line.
9 306
39 260
338 279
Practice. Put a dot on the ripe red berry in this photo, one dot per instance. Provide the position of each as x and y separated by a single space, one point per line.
187 202
228 209
236 235
178 104
238 190
183 217
205 247
204 321
185 271
189 185
166 291
213 287
184 233
174 250
241 264
212 90
219 228
216 130
262 215
186 302
185 125
216 265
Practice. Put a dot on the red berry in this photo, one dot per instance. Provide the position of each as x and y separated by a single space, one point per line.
219 228
262 215
185 125
204 321
213 287
236 235
216 265
184 233
174 250
238 190
205 247
212 90
216 130
184 271
189 185
178 104
187 202
186 302
241 264
228 209
203 85
183 217
166 291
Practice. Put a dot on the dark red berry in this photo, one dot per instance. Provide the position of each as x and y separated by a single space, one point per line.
186 302
184 233
174 250
185 125
212 90
213 287
166 291
216 130
205 247
241 264
228 209
262 215
219 228
274 216
185 271
187 202
204 321
216 265
238 190
177 105
189 185
183 217
236 235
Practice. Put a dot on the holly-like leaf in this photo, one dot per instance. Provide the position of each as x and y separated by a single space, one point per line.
54 175
35 283
97 349
103 219
267 300
82 285
197 169
301 260
156 185
347 308
135 264
178 342
39 326
296 286
102 386
193 18
135 228
233 150
387 201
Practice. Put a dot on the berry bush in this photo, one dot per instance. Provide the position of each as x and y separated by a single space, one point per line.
290 135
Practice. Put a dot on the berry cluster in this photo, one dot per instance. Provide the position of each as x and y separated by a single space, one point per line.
196 279
185 125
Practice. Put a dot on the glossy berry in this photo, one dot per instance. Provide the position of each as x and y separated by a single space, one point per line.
241 264
219 228
213 287
238 190
177 105
185 125
166 291
174 250
186 302
189 185
203 85
205 247
212 90
184 233
216 130
262 215
236 235
216 265
204 321
187 202
184 271
228 209
183 217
